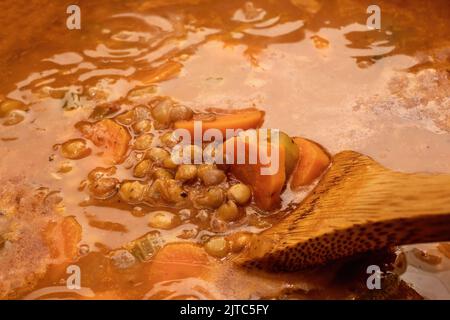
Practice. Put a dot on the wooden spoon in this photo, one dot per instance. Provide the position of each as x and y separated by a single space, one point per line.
357 206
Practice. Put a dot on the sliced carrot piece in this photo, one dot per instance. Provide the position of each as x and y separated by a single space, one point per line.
179 261
111 136
312 163
62 238
248 119
266 187
71 230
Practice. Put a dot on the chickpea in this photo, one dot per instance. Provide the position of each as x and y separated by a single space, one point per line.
143 142
239 241
173 192
75 149
168 139
132 191
10 105
211 176
186 172
142 113
169 164
163 174
142 126
104 187
142 168
228 211
86 128
189 154
154 191
163 220
205 167
167 189
157 154
213 198
126 118
217 247
13 118
240 193
180 113
99 172
161 112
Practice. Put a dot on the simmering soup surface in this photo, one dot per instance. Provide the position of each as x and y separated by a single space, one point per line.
82 146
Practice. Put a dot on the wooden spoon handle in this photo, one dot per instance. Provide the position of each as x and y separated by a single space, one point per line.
358 206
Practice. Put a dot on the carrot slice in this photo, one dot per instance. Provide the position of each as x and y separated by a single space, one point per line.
266 187
179 261
248 119
112 137
312 163
62 238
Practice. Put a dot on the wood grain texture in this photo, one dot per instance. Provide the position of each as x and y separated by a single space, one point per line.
357 206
